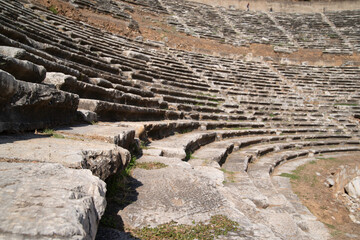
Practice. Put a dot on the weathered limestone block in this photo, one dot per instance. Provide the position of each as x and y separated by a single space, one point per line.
175 193
111 133
87 116
12 52
353 188
22 69
180 145
101 82
49 201
103 159
29 106
137 55
57 79
116 112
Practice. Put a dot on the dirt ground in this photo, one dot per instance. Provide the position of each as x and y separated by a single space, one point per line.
320 199
154 27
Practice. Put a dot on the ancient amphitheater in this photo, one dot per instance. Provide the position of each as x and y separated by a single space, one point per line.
188 112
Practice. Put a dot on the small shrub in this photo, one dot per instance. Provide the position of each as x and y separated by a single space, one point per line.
143 145
52 133
53 9
189 156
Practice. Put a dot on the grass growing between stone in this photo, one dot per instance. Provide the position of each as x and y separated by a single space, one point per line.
150 165
289 175
52 133
230 176
120 193
218 225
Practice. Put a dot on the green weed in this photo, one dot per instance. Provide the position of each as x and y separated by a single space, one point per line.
218 225
52 133
53 9
291 176
150 165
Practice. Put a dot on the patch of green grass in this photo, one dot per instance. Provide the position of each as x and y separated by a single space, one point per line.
56 135
143 145
229 175
189 156
298 170
289 175
218 225
119 190
150 165
52 133
330 226
312 162
53 9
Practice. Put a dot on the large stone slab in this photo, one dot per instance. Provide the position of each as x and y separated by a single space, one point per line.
103 159
29 106
108 111
111 133
182 144
22 69
175 192
49 201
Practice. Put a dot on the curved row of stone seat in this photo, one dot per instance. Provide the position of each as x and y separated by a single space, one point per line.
311 31
238 150
286 31
347 22
75 52
115 9
166 67
181 145
250 160
335 89
256 27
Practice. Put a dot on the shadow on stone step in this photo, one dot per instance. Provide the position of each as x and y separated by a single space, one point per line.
10 138
121 193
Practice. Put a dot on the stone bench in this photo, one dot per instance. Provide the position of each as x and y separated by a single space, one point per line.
29 106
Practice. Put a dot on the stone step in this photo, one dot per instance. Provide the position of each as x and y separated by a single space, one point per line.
106 132
102 159
29 106
75 206
116 112
182 145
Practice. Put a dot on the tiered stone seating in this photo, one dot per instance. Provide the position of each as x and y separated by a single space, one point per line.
311 31
200 20
115 9
148 5
348 23
333 89
82 61
256 27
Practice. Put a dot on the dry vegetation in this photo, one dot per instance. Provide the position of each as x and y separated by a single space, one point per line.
308 183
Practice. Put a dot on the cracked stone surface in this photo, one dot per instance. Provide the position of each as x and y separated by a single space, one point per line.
49 201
